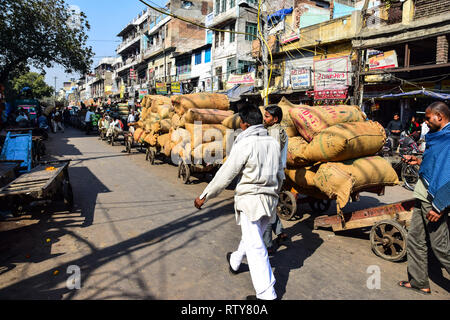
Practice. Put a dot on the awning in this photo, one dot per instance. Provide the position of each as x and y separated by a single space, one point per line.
278 16
440 96
235 93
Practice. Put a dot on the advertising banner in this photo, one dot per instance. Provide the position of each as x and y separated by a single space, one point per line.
142 93
383 60
300 78
332 73
175 87
161 88
247 78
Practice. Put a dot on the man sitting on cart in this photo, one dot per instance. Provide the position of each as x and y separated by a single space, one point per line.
115 128
429 221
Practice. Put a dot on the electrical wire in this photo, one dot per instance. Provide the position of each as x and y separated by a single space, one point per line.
192 22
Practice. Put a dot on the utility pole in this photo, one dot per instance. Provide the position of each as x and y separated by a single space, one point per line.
265 53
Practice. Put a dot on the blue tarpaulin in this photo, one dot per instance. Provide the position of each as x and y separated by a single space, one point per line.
440 96
278 16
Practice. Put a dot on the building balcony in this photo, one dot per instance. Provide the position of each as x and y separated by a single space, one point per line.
224 17
128 43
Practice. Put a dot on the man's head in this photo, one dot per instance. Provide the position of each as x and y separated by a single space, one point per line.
250 116
437 115
396 117
273 114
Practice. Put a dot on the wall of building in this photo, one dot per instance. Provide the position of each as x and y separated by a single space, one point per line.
427 8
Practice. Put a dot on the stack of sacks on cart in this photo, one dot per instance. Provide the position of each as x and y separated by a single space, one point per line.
155 121
197 131
331 153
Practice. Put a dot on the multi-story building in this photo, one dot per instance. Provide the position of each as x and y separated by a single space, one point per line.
232 51
101 85
403 58
131 73
168 37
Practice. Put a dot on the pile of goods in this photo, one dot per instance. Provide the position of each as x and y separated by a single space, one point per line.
170 123
198 132
331 153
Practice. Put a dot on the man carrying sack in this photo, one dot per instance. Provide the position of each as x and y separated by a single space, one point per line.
429 222
255 156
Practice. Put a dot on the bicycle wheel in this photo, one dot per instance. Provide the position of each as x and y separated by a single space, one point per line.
410 175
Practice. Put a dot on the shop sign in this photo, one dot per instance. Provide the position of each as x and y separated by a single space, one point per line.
328 94
247 78
175 87
383 60
332 74
142 93
161 88
300 78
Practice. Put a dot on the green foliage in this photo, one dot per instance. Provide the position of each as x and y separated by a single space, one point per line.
35 81
36 33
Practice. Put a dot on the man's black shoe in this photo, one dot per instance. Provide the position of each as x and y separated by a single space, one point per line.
229 265
252 297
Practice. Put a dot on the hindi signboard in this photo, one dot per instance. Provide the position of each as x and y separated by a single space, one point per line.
332 73
161 88
301 78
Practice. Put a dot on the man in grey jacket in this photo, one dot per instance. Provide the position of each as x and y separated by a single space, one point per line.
255 156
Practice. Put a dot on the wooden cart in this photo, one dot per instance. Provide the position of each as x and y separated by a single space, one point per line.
49 181
388 223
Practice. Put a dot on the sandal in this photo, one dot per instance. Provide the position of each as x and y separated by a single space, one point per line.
422 291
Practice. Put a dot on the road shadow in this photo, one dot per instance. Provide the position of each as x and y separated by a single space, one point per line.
294 256
47 285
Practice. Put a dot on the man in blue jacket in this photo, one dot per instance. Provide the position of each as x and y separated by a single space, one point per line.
429 221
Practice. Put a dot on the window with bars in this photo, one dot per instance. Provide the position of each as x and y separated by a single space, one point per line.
216 39
217 7
184 65
224 6
252 29
232 34
232 3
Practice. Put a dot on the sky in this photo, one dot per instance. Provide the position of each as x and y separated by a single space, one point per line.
106 18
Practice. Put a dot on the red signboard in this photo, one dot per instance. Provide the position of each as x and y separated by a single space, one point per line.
328 94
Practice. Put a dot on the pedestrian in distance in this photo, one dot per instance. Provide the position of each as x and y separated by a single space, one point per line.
395 128
58 122
272 119
255 158
429 222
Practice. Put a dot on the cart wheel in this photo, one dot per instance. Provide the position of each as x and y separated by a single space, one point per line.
128 146
287 205
184 172
320 206
388 240
112 140
68 194
410 175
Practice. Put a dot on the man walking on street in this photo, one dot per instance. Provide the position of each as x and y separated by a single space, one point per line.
255 156
429 222
272 119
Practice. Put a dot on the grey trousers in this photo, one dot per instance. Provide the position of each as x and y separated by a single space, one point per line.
274 226
422 234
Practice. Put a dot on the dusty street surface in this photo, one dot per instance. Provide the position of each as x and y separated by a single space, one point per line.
135 234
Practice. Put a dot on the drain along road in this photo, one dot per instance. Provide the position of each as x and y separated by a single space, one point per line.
134 233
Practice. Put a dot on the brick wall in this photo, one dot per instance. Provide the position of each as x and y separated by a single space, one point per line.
428 8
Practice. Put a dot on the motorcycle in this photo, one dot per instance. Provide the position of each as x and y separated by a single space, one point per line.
408 145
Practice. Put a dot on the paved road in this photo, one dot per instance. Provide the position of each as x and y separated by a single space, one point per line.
135 234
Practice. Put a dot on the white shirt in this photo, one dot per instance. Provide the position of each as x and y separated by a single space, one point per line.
131 118
257 159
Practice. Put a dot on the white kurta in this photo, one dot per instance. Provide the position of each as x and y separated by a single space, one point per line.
256 157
